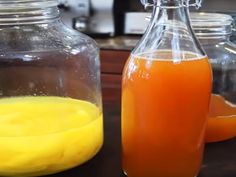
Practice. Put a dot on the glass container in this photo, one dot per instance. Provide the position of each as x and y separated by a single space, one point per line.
213 31
166 90
50 95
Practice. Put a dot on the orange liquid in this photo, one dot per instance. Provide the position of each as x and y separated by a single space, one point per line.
164 115
222 120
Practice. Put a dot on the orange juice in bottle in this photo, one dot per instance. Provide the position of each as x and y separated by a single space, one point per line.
165 105
166 91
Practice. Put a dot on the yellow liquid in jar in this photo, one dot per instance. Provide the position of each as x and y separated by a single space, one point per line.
44 135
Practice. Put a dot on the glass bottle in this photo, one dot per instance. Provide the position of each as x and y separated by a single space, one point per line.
50 96
213 31
166 91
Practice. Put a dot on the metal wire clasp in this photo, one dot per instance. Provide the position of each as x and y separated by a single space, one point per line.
192 3
148 3
185 3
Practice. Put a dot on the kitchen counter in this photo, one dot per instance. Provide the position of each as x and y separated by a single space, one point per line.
118 43
219 159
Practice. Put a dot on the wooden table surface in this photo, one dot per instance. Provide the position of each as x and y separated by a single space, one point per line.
219 158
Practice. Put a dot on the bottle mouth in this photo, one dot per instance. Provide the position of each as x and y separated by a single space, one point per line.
27 4
211 24
181 3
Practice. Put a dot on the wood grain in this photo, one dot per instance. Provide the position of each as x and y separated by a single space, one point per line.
111 88
112 64
113 61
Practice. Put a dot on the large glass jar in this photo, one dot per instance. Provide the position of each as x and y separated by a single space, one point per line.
214 31
50 105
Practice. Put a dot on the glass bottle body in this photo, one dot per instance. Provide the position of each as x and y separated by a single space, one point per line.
50 92
165 98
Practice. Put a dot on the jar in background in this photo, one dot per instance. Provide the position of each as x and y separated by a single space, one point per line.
213 31
50 105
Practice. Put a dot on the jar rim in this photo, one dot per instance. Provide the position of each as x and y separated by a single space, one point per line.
210 19
27 4
206 23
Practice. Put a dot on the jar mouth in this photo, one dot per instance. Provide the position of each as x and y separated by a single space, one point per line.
210 19
20 12
211 24
27 4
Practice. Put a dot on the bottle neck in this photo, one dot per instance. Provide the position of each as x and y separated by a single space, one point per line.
173 16
169 4
170 30
174 10
27 12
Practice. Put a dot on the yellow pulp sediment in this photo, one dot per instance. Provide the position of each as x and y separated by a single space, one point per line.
44 135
